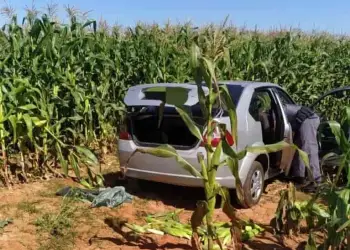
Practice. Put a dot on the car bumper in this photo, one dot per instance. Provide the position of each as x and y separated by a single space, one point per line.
167 170
179 180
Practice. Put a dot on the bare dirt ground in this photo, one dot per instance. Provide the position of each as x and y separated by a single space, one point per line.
42 220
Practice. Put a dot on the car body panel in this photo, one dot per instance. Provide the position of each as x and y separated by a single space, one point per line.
167 170
329 93
288 152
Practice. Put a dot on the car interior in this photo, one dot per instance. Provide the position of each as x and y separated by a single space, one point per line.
264 110
327 141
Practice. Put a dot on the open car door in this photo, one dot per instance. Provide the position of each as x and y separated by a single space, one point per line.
330 108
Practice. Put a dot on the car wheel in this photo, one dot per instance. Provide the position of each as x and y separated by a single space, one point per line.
253 186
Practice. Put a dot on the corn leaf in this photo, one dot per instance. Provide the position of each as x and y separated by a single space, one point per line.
28 107
228 150
339 135
88 155
217 155
198 215
29 124
209 66
74 165
303 156
202 100
344 226
62 160
233 164
231 111
100 180
76 118
234 168
195 55
155 231
85 184
190 124
269 148
347 115
37 122
13 121
311 243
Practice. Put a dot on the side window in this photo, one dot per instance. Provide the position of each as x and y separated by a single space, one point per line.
261 103
285 99
263 109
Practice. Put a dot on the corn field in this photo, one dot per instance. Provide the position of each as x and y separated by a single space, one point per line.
62 85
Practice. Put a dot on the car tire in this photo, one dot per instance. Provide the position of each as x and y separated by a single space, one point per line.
253 187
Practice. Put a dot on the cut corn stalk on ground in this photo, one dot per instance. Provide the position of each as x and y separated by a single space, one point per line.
170 224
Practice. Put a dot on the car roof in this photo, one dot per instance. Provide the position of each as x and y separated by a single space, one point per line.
244 84
249 84
133 95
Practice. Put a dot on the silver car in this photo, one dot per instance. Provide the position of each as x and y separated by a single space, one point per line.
261 120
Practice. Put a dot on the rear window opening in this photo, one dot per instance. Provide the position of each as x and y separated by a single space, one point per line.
143 120
172 131
154 96
172 95
144 127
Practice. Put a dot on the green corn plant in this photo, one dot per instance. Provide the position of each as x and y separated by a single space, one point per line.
151 53
22 118
4 134
343 140
333 218
290 213
38 117
336 227
75 156
337 230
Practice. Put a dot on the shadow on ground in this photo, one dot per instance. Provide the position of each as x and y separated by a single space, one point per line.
144 242
130 239
181 197
268 240
258 244
177 196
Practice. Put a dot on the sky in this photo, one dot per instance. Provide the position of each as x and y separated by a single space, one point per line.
322 15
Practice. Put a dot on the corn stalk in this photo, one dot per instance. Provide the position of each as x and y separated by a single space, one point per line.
333 218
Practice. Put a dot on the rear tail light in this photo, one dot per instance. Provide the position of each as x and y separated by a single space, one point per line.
216 138
124 134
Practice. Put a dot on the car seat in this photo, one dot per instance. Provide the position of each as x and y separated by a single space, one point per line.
267 126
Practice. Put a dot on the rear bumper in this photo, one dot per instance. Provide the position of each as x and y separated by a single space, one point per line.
167 170
179 180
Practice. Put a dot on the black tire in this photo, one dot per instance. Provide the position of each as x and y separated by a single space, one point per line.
256 174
